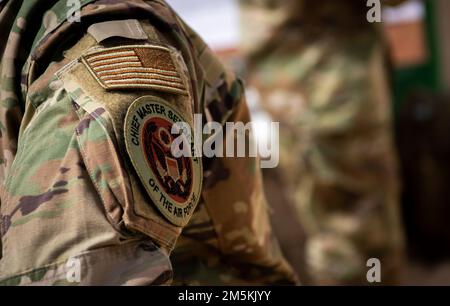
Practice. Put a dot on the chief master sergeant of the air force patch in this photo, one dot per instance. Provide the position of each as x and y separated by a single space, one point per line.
173 183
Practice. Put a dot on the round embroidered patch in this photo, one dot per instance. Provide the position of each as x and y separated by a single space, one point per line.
173 182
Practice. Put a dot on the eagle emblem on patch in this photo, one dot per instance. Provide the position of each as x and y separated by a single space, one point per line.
135 67
173 182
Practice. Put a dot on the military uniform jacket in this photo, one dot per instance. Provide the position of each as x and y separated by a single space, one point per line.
90 191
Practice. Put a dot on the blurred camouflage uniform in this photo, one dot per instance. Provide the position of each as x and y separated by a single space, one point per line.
70 188
319 68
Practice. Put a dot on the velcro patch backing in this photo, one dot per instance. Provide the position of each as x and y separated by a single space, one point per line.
130 29
136 67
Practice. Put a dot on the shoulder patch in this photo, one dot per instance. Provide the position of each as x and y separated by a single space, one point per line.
173 183
136 67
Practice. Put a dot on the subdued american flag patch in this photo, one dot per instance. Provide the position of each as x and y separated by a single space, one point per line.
135 67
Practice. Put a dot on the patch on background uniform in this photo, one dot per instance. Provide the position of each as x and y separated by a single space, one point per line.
135 67
174 184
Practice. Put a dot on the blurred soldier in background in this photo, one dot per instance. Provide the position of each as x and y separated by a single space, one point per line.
319 68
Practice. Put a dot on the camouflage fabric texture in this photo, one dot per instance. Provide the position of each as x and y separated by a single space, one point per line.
68 190
319 69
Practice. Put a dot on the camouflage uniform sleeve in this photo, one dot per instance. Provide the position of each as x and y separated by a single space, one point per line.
229 239
236 202
80 204
75 209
